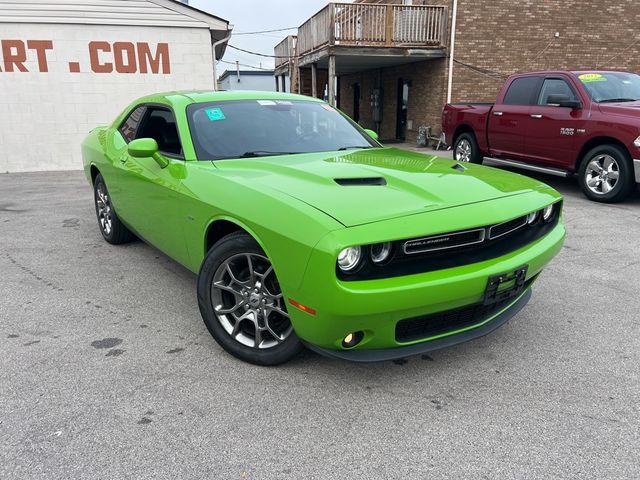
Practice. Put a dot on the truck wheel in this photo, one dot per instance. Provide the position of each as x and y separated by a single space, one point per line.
465 149
606 174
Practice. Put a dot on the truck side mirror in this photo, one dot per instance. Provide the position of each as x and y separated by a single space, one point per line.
563 101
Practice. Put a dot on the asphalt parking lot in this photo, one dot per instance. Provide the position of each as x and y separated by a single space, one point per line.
107 369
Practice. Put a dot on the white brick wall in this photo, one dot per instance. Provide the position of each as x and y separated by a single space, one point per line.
45 116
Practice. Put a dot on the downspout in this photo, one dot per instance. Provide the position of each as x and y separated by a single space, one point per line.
452 48
214 45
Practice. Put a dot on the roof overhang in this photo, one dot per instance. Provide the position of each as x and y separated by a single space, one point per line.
218 27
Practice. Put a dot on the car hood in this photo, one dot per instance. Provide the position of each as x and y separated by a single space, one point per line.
364 186
627 109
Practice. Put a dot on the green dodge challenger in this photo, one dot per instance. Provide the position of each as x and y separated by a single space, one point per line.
305 231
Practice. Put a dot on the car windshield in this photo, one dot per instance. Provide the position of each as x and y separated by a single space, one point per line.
611 87
260 128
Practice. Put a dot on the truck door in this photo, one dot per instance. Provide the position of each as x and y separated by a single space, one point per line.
552 129
508 119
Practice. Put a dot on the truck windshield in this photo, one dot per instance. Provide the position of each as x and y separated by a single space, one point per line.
261 128
611 87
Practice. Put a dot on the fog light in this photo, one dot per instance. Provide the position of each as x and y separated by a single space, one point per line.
352 339
547 213
532 217
349 258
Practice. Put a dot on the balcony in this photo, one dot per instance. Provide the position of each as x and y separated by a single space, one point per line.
368 30
285 52
344 38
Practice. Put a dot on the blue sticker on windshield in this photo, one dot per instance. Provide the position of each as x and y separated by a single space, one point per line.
215 114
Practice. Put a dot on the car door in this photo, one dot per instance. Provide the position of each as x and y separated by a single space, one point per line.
551 129
509 118
149 193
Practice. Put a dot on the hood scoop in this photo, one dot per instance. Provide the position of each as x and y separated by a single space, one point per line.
358 182
459 167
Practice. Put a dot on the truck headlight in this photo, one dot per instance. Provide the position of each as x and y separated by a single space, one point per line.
636 142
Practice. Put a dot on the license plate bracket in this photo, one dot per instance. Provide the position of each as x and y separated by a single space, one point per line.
505 286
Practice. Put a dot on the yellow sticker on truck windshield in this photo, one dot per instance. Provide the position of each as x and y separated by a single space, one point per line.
592 77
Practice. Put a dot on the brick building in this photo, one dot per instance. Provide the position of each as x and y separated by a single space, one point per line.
408 61
67 66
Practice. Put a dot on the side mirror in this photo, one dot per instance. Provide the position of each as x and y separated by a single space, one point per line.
145 148
372 134
563 101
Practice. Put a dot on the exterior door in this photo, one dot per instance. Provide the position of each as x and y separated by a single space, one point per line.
552 130
149 193
402 108
508 119
356 102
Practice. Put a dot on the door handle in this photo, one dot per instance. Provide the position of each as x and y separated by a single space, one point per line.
497 114
536 115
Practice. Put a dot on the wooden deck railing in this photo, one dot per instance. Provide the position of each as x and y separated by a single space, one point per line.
285 51
374 25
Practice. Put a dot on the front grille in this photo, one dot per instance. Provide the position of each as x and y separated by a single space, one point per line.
444 242
443 322
453 249
507 227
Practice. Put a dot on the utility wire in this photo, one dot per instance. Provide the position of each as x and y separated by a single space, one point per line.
245 65
255 53
481 71
266 31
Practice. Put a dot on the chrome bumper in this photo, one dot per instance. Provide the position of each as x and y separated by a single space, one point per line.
636 167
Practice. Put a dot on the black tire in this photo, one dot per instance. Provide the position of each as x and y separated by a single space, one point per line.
593 183
236 246
112 229
467 142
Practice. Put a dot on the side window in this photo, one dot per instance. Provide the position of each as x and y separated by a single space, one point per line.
523 91
130 125
555 86
160 124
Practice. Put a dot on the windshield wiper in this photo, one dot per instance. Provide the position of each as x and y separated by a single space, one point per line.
616 100
355 147
263 153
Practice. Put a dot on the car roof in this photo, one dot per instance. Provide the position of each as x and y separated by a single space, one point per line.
205 96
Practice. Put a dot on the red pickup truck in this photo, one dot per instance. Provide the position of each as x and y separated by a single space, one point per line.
561 123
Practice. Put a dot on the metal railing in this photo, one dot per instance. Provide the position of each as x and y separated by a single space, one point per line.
419 24
374 25
285 51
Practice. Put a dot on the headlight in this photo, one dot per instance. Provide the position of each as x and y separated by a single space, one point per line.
637 142
380 252
532 217
349 258
547 213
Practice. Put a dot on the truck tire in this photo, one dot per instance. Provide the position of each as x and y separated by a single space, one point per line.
606 174
465 149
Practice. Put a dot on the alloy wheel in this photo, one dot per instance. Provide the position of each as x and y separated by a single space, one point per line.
104 209
602 174
463 151
248 302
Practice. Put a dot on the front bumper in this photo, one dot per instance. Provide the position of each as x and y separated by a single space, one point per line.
636 167
381 355
376 306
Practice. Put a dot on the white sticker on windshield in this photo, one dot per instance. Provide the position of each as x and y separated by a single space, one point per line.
284 102
266 102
